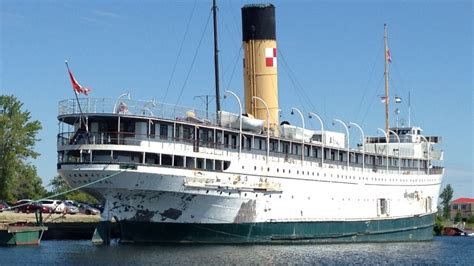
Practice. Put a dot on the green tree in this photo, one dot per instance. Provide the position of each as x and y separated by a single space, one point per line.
446 197
17 140
470 219
59 185
439 225
458 217
27 184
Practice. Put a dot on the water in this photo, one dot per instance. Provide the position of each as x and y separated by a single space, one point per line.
443 250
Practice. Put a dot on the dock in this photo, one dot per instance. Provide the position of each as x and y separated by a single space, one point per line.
59 226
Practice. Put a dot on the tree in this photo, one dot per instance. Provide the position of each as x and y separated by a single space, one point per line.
59 185
446 197
458 217
27 184
17 140
470 219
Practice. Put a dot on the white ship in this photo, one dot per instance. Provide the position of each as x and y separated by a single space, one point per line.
167 175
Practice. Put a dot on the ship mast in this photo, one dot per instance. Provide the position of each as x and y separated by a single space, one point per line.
216 59
387 99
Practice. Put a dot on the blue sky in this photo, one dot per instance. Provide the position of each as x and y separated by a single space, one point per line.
333 49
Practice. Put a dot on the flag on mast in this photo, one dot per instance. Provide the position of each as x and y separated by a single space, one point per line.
383 99
78 88
398 99
389 57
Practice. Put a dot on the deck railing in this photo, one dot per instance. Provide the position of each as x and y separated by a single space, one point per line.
133 107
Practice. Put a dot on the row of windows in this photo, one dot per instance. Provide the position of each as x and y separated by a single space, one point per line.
102 156
308 173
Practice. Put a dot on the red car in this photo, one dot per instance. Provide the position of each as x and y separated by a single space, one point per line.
29 206
4 206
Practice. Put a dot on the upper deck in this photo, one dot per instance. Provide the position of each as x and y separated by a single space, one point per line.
129 122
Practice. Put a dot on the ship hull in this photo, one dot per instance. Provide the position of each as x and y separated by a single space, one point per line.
419 228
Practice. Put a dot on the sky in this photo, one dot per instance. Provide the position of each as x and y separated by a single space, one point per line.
330 61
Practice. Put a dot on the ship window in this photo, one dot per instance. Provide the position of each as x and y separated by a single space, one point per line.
234 141
218 165
188 133
150 127
226 140
209 164
178 161
226 165
382 206
190 162
166 159
151 158
163 131
200 163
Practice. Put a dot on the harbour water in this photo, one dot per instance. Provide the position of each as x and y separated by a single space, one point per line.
442 250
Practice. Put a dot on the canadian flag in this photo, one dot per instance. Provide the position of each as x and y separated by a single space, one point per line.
271 57
75 85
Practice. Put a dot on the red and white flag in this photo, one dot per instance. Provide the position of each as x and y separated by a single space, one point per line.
271 57
389 57
78 88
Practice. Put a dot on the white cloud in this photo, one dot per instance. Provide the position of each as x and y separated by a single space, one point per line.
105 13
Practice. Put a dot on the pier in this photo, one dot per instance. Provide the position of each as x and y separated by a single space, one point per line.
60 226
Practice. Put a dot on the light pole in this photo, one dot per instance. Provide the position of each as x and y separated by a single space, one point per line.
302 132
386 144
310 115
347 131
268 123
396 135
145 106
428 152
240 117
118 99
363 142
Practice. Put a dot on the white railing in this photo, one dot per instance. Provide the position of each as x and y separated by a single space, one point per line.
133 107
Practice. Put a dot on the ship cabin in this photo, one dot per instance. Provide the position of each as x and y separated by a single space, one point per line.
132 133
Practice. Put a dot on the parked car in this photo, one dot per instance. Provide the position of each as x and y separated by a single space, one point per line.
70 208
28 206
57 205
4 206
100 207
88 209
